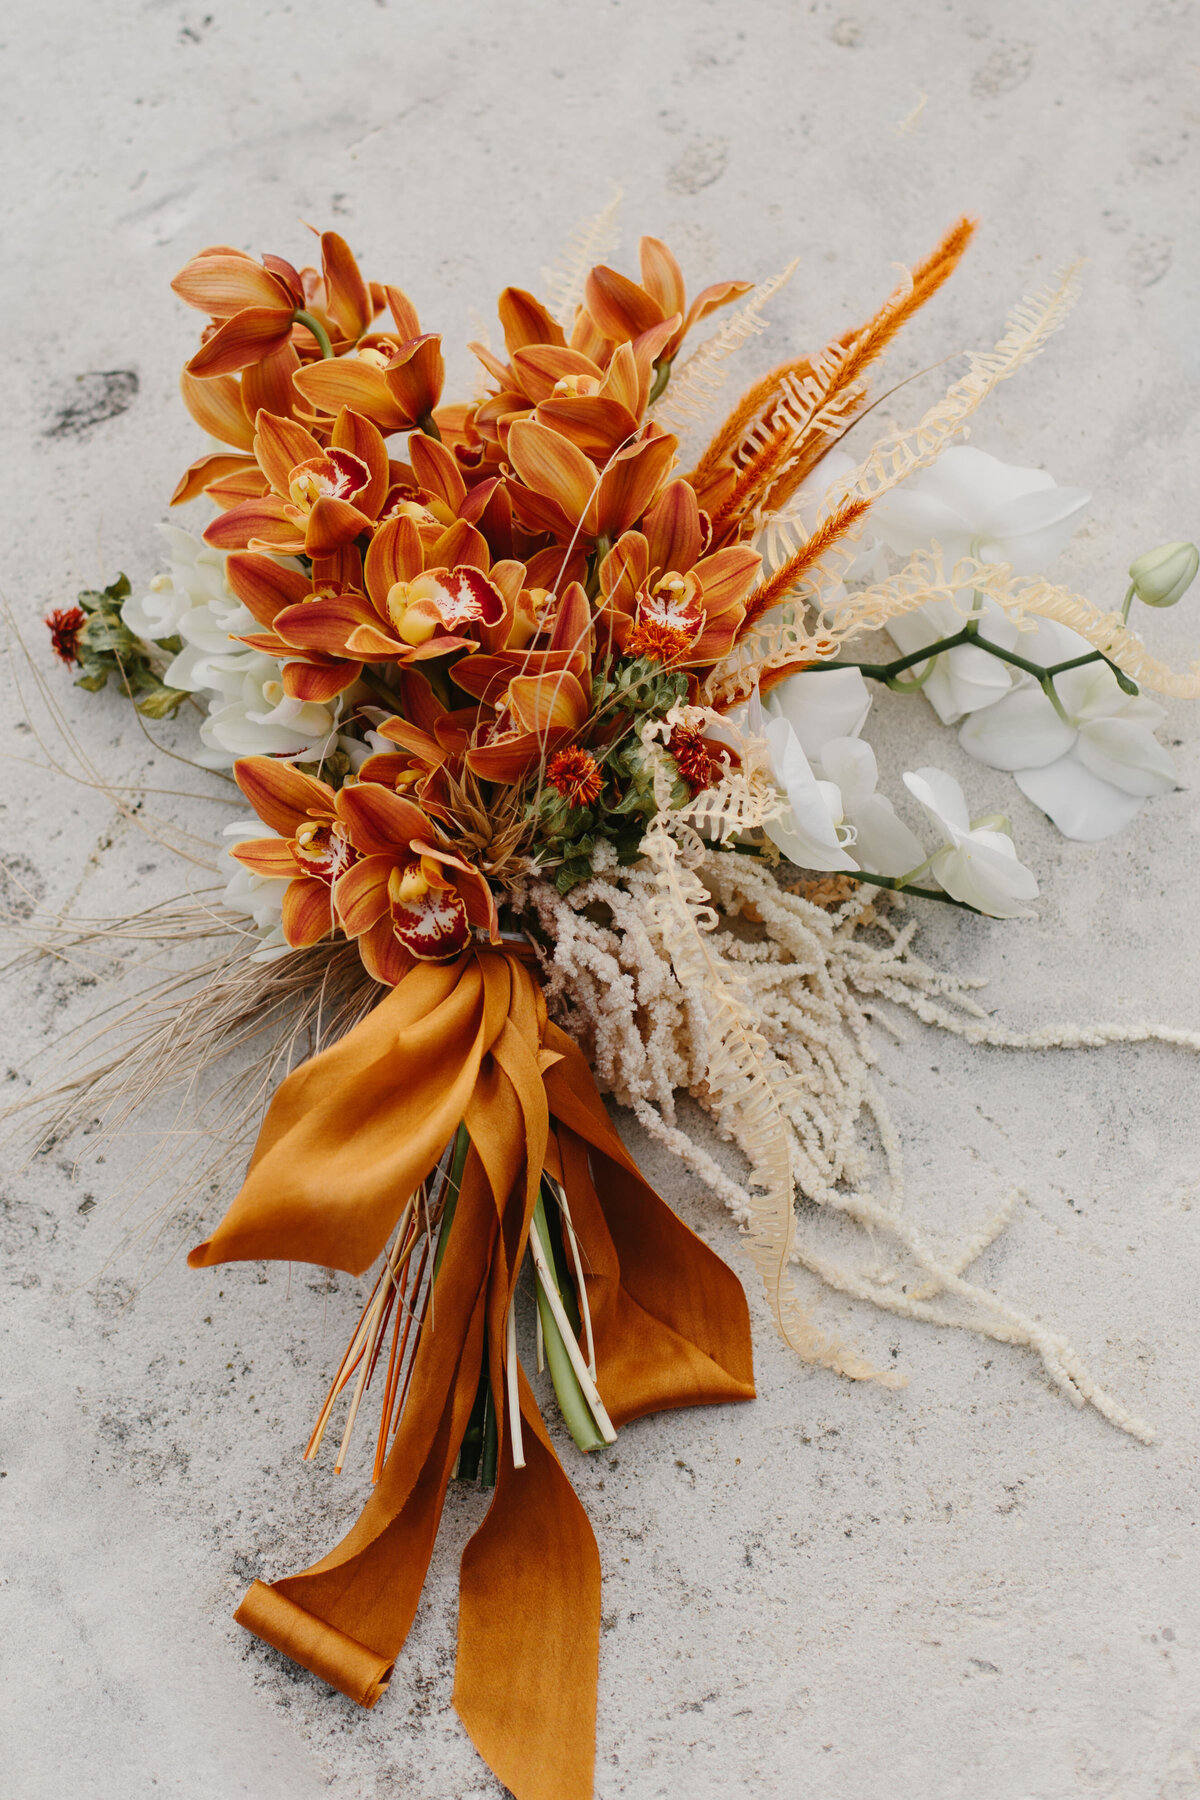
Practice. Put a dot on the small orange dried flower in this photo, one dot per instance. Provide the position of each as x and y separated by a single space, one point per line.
576 775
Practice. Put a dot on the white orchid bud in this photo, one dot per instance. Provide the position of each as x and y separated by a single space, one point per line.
1163 576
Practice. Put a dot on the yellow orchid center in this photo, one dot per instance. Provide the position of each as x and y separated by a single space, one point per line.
407 884
574 387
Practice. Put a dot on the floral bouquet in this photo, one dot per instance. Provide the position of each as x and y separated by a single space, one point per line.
545 711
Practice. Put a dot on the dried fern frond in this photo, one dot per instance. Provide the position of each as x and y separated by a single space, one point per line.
816 401
772 643
837 526
587 245
1023 597
692 393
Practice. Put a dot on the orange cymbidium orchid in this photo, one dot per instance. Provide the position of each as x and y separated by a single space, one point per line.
432 741
253 306
394 379
312 848
421 600
541 699
623 310
562 492
661 597
320 498
406 896
268 588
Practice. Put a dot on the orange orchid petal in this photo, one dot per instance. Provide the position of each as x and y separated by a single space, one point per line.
404 313
319 682
573 627
267 856
395 554
625 571
351 381
360 895
263 586
379 822
511 760
623 381
216 405
727 577
526 321
554 568
552 466
279 445
414 377
460 543
353 432
244 483
222 285
594 424
344 569
710 298
267 384
283 797
542 703
535 513
373 643
630 483
384 956
660 340
253 522
206 469
672 528
348 296
496 368
539 367
488 506
662 277
436 470
332 523
621 308
325 625
251 334
307 912
587 337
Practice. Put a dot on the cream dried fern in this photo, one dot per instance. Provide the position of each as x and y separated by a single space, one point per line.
772 643
691 395
587 245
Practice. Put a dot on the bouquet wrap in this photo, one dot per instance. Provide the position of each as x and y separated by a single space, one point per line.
348 1137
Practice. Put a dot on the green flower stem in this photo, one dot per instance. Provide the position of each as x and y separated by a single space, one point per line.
300 317
581 1405
899 884
887 672
1128 602
428 425
662 374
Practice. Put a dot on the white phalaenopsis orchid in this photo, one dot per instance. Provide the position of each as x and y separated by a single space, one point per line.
812 721
1089 770
973 505
978 863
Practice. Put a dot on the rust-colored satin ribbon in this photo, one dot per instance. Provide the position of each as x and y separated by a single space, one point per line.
347 1139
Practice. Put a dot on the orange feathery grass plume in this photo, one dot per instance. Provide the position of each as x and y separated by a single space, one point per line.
840 373
772 591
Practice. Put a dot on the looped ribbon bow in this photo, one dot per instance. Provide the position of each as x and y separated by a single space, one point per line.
349 1136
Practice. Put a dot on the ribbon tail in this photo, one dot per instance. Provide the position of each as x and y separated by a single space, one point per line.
529 1626
347 1617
